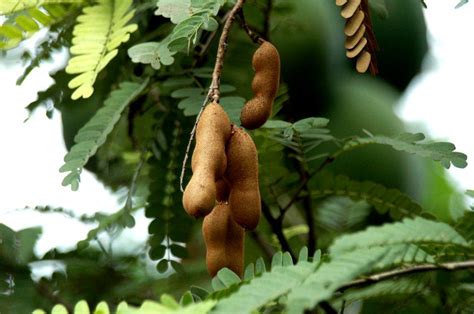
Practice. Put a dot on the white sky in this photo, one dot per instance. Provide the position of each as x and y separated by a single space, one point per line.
32 152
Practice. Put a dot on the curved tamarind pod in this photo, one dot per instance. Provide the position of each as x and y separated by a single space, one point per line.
350 8
266 63
363 62
357 49
353 24
242 173
224 240
208 161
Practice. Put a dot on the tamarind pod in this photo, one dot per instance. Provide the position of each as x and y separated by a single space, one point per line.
357 49
208 160
224 240
363 62
352 41
266 63
222 190
340 3
353 24
350 8
242 174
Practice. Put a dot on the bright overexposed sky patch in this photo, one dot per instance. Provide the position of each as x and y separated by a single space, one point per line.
441 97
439 100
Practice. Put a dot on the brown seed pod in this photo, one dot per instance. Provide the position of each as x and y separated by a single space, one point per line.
242 174
208 161
224 240
266 63
223 190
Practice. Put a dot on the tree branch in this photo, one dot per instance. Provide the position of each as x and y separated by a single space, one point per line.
451 266
277 228
216 74
266 24
213 92
256 38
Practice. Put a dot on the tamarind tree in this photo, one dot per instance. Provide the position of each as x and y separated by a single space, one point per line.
357 214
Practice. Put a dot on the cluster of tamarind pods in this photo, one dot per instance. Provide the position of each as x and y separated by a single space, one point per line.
357 30
224 187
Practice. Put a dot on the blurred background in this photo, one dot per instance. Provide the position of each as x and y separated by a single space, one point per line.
426 78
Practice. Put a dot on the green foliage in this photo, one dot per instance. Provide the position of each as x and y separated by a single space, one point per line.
192 98
283 277
382 199
341 213
443 152
170 223
191 18
145 126
153 53
402 287
121 219
92 135
16 248
12 6
29 20
415 231
167 306
461 3
321 284
301 137
97 35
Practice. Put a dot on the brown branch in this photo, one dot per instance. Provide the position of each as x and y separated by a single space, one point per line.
256 38
303 184
216 74
451 266
276 224
266 24
213 92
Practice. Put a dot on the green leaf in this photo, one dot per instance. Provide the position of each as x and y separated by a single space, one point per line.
94 133
301 137
17 248
153 53
101 308
11 6
261 290
442 152
321 284
169 223
97 35
409 231
81 307
59 309
175 10
228 277
30 20
186 299
461 3
401 287
384 200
